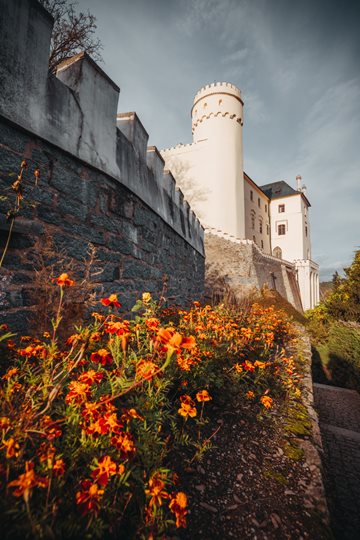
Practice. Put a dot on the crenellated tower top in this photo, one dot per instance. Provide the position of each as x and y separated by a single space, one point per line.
216 100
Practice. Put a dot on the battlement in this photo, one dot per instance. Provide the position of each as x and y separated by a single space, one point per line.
76 111
214 88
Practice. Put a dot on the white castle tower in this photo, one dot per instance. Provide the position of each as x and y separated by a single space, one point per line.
210 172
214 161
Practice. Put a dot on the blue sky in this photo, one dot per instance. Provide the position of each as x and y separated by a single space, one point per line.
297 65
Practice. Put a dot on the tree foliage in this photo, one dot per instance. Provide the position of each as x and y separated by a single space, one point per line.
344 301
72 33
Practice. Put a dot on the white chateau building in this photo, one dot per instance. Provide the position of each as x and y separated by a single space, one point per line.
274 216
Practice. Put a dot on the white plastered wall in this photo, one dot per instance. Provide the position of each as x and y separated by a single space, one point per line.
257 216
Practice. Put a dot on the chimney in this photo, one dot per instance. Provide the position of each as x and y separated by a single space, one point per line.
298 182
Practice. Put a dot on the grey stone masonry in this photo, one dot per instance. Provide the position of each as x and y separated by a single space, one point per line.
339 415
100 184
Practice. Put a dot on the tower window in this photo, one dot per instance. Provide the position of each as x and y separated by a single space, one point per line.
265 208
251 196
281 229
267 229
254 239
306 231
281 208
262 244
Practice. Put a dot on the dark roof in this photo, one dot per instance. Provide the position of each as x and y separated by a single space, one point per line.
276 190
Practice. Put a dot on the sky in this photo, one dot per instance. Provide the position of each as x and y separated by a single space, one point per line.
298 67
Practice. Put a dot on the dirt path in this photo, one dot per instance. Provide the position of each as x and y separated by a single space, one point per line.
339 416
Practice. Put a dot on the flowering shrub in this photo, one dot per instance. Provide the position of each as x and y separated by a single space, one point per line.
87 426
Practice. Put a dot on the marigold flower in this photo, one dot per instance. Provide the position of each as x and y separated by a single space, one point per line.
187 407
33 351
248 366
51 428
79 392
106 468
59 467
102 356
266 401
111 301
178 506
203 395
73 339
156 491
4 422
27 481
125 444
152 323
89 497
174 341
120 328
63 281
12 448
146 297
145 369
91 377
10 373
129 414
250 394
260 365
238 368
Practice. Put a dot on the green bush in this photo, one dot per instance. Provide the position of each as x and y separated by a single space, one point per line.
344 354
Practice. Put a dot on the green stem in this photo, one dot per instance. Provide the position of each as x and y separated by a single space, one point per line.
7 242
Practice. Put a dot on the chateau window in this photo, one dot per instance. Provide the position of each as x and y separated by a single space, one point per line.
265 208
259 202
262 244
281 208
254 239
260 226
251 196
267 229
281 229
252 219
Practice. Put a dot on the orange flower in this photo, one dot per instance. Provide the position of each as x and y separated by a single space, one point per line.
73 339
266 401
203 395
152 323
146 369
178 506
106 468
79 392
90 377
51 428
260 365
33 351
187 407
10 373
125 444
248 366
4 422
120 328
59 467
89 497
102 356
238 368
111 301
27 481
129 414
156 491
63 281
173 341
12 448
250 394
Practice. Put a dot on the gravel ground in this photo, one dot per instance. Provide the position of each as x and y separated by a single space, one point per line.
246 487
